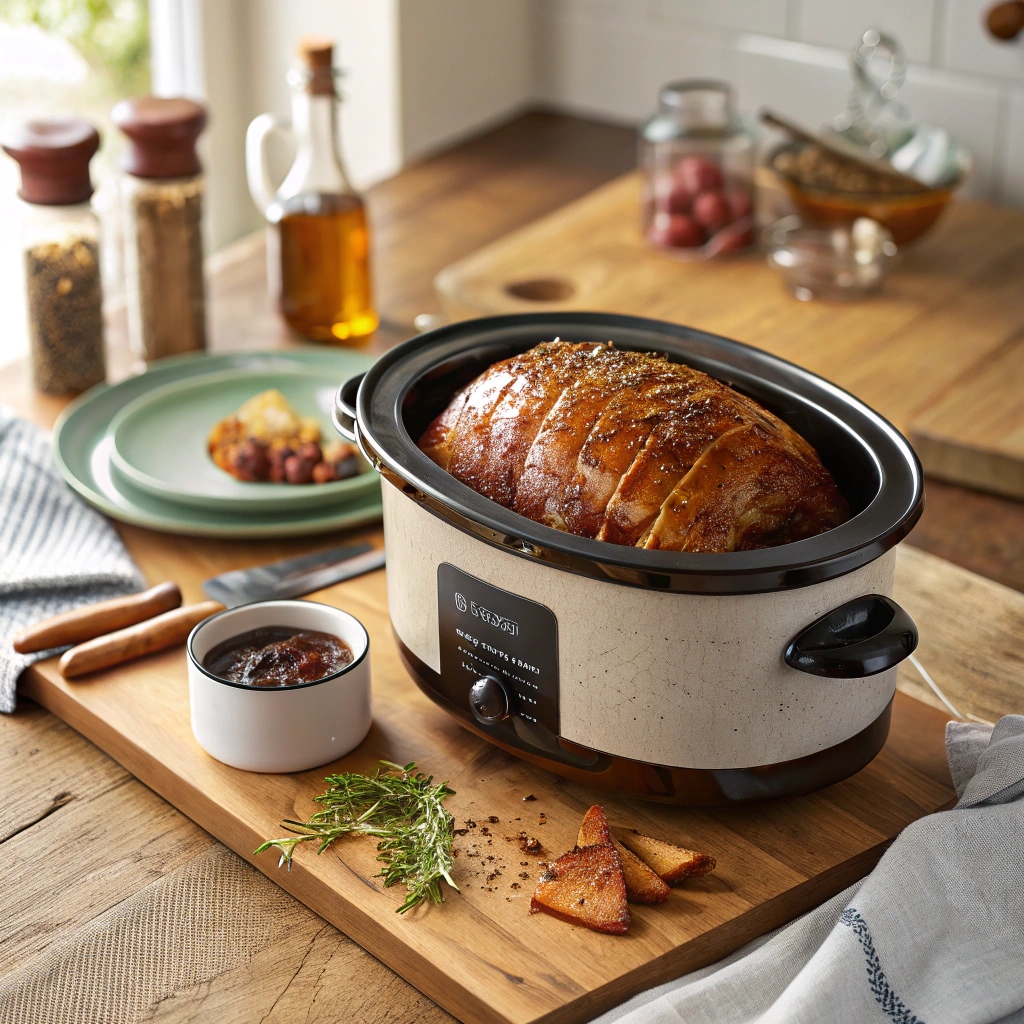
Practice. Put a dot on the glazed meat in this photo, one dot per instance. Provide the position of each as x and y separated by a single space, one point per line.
629 448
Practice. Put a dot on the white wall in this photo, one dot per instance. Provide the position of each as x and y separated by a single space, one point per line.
608 57
420 74
423 74
464 65
365 34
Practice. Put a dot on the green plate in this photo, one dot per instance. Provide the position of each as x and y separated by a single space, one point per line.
82 448
159 442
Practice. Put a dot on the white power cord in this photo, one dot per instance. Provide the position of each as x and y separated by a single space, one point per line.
923 672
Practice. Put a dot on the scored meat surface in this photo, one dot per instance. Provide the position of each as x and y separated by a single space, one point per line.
629 448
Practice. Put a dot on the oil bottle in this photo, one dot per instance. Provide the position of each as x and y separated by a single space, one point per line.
318 249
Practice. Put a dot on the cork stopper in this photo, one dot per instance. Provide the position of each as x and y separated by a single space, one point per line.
317 56
162 133
53 154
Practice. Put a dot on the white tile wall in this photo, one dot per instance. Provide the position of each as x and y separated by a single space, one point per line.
808 83
767 17
969 108
608 57
968 47
839 24
587 66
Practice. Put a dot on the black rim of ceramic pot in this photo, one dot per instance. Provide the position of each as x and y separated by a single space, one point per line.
874 465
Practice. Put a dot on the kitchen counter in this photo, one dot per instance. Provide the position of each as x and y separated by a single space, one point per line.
86 836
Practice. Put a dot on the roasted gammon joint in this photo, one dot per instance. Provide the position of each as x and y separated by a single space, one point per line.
630 448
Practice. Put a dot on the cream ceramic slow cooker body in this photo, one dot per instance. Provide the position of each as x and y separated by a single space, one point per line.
691 678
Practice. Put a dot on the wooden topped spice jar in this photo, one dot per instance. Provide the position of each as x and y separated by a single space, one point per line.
60 240
162 195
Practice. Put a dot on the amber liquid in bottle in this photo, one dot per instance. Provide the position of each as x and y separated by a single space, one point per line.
325 268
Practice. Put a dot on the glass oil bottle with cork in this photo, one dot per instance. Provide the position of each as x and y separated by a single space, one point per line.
319 243
162 201
59 236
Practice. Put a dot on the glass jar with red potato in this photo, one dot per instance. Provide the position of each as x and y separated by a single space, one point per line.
698 162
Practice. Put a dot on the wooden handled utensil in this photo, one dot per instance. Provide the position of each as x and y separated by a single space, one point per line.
157 634
838 147
96 619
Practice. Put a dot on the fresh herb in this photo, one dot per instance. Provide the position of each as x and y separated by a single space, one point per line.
403 810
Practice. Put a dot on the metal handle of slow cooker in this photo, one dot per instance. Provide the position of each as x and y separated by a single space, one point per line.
836 645
344 412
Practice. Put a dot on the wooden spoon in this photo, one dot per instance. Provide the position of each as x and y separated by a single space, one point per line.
843 151
156 634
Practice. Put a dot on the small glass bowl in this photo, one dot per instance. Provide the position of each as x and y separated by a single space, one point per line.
830 263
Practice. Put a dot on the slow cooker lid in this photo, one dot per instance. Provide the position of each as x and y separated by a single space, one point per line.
872 462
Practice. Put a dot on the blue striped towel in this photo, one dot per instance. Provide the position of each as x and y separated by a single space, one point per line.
56 553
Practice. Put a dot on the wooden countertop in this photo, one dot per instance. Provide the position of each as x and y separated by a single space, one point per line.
63 792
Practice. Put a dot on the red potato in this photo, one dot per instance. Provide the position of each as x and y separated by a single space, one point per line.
711 210
675 230
679 199
733 241
670 196
698 174
741 203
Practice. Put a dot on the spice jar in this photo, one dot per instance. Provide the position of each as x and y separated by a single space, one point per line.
162 200
60 240
698 159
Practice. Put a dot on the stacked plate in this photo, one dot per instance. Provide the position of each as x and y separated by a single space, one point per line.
137 450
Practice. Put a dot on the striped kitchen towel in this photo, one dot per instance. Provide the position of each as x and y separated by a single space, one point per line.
56 553
934 935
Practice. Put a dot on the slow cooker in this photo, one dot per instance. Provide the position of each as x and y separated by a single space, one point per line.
680 677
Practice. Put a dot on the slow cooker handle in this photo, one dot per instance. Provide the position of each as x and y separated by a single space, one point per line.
344 412
861 638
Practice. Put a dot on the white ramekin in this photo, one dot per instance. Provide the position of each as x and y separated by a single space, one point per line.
286 728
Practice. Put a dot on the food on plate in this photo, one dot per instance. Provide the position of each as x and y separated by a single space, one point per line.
673 864
265 440
399 807
629 448
585 886
642 884
278 656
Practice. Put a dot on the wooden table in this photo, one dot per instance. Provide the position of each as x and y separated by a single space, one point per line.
82 835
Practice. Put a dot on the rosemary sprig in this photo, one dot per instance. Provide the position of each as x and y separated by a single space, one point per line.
402 810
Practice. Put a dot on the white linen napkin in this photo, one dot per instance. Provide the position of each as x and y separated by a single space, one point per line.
934 934
56 553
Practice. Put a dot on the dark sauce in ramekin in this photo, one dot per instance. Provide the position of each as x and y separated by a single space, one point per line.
278 656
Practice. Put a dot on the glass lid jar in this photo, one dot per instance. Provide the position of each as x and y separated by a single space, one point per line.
698 164
59 239
162 202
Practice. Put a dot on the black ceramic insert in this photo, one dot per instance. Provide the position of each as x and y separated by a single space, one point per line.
872 463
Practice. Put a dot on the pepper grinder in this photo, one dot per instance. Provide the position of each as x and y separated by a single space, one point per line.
162 199
60 241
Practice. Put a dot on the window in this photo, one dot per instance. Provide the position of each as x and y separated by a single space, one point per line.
66 57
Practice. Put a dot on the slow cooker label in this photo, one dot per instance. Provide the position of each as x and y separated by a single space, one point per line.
486 631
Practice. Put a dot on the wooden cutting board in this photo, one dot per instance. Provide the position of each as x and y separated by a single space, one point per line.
481 955
948 310
974 433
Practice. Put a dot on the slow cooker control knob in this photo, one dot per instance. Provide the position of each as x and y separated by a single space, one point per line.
489 700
